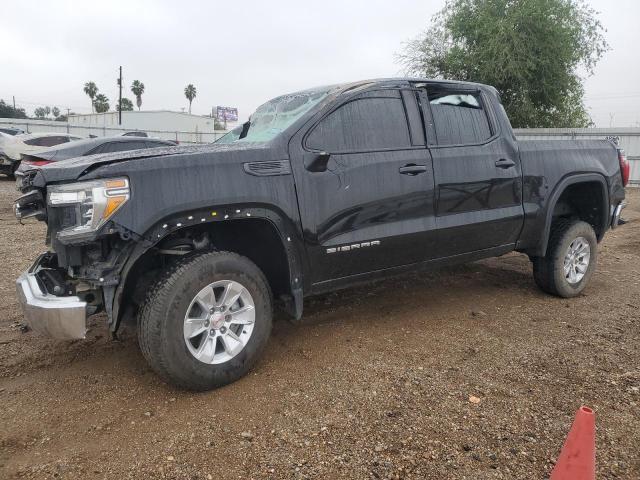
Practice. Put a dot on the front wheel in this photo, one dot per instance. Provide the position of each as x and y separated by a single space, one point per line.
206 320
570 261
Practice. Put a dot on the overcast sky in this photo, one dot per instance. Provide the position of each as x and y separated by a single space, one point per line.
241 53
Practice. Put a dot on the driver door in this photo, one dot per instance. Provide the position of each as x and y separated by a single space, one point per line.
369 206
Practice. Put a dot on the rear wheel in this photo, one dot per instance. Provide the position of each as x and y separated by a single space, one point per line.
206 321
570 261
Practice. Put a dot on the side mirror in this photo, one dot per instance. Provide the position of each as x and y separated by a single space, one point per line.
316 161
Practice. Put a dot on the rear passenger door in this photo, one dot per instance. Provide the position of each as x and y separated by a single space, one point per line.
478 178
371 208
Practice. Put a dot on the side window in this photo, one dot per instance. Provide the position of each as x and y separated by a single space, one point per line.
374 121
33 141
46 141
108 147
95 150
459 117
155 144
124 146
104 148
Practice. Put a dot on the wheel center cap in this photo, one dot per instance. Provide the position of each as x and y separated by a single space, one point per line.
216 319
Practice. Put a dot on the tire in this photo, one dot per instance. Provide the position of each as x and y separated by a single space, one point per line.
549 271
162 323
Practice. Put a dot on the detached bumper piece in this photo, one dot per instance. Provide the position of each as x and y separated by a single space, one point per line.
61 317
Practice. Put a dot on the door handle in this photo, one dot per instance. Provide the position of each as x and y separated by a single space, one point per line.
412 169
505 163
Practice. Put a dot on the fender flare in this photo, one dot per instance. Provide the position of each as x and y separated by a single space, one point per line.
555 196
286 230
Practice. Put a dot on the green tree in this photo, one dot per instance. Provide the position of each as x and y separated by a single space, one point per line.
127 105
190 93
91 89
137 88
47 111
40 112
55 111
7 111
101 103
531 50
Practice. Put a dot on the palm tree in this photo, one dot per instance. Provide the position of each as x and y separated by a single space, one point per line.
137 88
127 105
102 103
91 89
190 93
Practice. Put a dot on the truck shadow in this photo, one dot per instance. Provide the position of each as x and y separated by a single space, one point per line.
512 272
424 296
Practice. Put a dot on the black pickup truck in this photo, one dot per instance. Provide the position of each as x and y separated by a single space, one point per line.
319 190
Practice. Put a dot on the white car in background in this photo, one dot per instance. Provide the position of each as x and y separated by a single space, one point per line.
13 148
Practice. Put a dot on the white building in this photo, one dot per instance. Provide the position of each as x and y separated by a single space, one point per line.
147 120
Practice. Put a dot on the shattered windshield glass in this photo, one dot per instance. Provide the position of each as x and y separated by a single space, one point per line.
230 136
276 115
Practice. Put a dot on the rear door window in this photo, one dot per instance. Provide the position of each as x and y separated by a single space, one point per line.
459 117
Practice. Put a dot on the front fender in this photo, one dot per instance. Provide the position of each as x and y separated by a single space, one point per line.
289 233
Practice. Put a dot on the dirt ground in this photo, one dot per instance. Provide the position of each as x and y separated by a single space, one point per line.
375 384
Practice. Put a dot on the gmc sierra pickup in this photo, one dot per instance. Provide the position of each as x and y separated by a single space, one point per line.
319 190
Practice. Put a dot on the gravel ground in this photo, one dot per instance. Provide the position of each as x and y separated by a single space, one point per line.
378 382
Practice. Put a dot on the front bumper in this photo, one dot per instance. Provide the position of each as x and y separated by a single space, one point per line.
47 314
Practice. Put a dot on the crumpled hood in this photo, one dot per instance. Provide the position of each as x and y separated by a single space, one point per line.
73 168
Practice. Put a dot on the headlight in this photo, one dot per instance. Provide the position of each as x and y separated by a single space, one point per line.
91 203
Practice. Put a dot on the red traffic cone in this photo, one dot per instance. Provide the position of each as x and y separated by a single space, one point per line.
577 459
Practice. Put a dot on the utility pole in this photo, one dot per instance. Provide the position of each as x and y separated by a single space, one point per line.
14 103
120 97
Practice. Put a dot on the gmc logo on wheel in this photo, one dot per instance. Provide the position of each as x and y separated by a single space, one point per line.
354 246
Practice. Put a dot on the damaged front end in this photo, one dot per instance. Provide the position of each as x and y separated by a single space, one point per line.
79 277
50 306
